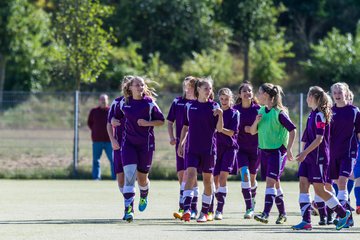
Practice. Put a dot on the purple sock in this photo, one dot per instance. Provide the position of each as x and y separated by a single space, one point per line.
206 202
335 205
194 204
247 197
144 193
340 211
220 197
270 194
322 209
305 208
279 201
211 207
129 200
188 196
181 202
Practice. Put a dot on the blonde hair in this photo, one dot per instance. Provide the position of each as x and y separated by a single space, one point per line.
189 80
242 85
349 95
275 92
148 91
227 92
200 82
125 79
323 101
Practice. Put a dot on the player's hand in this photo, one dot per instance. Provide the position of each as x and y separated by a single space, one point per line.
258 118
172 141
217 112
289 155
115 122
180 151
115 144
300 157
143 123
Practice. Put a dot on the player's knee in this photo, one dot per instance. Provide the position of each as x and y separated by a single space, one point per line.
245 174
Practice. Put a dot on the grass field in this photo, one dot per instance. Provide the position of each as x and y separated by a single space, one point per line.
92 210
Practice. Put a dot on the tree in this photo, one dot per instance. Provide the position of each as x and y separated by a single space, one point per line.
251 20
173 28
80 29
24 46
335 58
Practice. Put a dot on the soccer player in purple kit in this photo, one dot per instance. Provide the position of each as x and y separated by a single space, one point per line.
141 115
314 160
176 114
115 129
344 135
247 155
202 118
276 134
226 148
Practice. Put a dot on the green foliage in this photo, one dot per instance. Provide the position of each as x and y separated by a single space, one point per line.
172 27
28 34
335 58
267 57
215 63
80 28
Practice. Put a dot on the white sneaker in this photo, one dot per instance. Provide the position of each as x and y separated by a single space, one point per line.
249 214
202 218
218 215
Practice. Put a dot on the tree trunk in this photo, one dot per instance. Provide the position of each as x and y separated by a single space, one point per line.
246 61
2 78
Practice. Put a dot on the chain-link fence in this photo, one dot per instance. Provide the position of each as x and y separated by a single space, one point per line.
37 132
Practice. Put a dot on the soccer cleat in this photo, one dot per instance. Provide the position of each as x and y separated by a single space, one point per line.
302 226
178 215
249 213
342 221
142 204
202 218
129 215
210 216
193 214
350 223
357 209
186 216
218 215
323 221
263 218
281 219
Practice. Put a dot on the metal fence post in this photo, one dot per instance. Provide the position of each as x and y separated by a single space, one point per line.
76 132
301 107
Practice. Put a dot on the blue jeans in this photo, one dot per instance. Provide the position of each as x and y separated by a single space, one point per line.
97 148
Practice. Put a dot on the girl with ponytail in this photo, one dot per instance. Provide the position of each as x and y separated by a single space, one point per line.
314 160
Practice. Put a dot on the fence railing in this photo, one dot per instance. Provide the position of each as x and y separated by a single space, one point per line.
37 129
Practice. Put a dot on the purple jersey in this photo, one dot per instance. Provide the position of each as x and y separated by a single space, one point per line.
247 118
176 114
316 125
132 111
202 125
112 112
231 122
345 126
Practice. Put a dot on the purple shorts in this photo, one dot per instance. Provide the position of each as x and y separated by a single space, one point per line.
249 159
272 163
203 162
315 173
137 154
180 162
225 161
118 166
341 166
